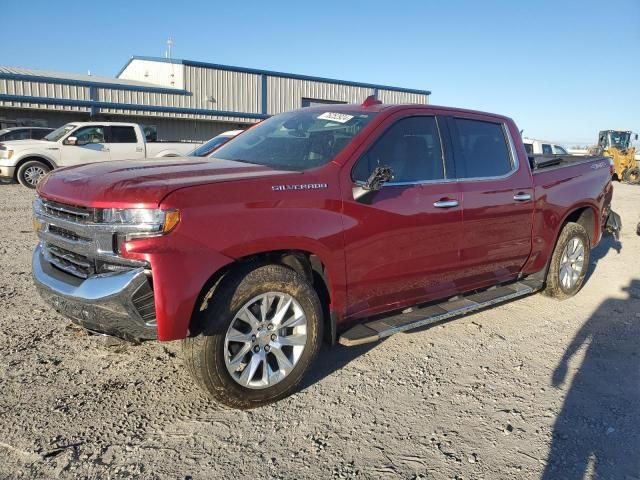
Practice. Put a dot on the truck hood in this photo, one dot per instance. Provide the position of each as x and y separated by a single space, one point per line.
142 183
17 144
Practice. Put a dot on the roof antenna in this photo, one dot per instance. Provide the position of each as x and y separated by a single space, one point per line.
370 101
167 52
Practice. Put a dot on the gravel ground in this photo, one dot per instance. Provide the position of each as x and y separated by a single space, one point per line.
533 388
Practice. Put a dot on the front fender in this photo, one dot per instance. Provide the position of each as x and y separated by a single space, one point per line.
36 153
219 224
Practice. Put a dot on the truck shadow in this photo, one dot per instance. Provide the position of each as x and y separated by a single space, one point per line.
331 359
598 426
608 242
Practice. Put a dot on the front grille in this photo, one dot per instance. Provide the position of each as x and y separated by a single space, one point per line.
69 212
68 234
70 262
75 242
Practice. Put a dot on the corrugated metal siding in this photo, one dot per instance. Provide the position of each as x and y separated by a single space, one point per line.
284 94
392 96
43 89
170 129
232 91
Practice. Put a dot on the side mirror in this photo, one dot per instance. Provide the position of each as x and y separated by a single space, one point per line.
71 141
378 177
636 136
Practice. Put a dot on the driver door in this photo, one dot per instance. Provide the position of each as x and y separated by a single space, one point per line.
402 243
90 146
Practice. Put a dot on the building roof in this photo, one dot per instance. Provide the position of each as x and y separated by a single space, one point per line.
271 73
33 75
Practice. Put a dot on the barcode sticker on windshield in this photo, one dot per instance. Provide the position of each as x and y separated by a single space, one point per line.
335 117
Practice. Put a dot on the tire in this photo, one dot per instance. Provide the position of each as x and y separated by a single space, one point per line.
566 276
210 356
631 175
31 172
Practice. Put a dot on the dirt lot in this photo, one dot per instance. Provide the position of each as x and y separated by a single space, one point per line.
536 387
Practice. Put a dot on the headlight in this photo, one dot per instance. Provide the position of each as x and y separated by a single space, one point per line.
152 221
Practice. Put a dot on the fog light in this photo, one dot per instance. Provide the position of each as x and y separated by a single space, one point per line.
37 224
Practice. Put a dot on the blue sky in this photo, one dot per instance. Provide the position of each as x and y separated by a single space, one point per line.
563 70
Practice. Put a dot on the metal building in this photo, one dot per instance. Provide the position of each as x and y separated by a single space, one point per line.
185 100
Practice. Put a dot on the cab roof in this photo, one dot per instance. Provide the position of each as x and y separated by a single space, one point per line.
393 107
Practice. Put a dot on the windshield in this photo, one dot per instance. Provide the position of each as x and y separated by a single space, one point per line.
619 139
208 147
296 140
58 133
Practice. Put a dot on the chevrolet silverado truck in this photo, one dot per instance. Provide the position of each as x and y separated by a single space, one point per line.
348 223
78 143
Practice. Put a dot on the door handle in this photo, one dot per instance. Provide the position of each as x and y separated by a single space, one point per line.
138 149
445 203
522 197
104 149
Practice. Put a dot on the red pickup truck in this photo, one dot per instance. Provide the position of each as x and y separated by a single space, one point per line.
343 222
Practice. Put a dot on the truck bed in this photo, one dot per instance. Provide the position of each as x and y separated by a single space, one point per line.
546 162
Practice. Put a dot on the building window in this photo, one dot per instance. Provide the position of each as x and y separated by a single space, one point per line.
312 102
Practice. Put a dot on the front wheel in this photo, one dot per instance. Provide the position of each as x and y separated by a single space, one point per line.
260 333
569 262
31 172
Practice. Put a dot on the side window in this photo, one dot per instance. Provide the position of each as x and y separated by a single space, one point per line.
529 148
18 135
411 147
546 149
39 133
480 149
123 135
559 150
89 135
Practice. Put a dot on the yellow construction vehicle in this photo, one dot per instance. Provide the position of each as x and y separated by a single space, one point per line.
617 145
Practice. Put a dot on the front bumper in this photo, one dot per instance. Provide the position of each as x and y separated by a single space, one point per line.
7 172
102 303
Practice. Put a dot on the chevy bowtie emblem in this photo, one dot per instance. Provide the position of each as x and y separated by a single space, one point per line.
303 186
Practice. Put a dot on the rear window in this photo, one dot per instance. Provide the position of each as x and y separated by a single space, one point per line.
480 149
123 135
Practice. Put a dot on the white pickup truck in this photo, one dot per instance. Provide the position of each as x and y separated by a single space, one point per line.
78 143
543 147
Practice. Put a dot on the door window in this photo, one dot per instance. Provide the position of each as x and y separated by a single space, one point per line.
17 135
559 150
39 133
480 149
93 134
546 149
411 147
123 135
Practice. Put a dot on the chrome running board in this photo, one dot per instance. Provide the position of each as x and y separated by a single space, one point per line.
410 319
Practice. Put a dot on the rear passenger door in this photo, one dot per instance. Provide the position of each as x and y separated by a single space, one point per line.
402 241
124 143
497 202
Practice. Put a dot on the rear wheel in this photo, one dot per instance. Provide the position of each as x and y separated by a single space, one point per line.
631 175
569 262
31 172
260 333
